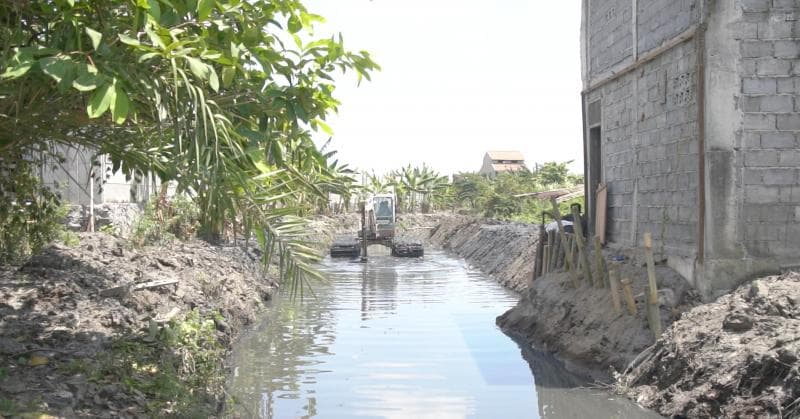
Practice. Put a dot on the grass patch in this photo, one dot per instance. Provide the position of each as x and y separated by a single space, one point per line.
177 367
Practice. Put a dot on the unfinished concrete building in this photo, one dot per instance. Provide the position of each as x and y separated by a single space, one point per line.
692 120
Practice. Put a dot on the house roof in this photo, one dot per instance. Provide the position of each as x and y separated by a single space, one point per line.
507 167
505 155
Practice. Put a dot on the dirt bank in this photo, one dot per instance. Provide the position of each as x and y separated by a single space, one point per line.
102 329
581 326
736 357
503 250
64 313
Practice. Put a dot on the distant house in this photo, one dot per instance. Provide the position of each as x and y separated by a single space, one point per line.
495 162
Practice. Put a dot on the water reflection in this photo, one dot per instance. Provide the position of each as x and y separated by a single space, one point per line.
401 338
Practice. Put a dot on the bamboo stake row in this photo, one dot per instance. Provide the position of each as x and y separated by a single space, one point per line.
569 252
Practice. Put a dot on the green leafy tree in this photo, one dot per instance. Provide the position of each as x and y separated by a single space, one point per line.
218 96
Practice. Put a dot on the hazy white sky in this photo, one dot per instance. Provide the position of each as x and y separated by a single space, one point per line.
459 77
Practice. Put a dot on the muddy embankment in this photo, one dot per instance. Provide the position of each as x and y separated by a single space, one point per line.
104 329
735 357
502 250
738 356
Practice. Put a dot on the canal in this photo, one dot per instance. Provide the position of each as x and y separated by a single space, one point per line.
403 338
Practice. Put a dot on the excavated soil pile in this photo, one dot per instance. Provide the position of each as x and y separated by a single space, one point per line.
503 250
65 307
736 357
581 326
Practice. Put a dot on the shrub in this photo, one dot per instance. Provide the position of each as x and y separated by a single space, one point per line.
165 220
31 215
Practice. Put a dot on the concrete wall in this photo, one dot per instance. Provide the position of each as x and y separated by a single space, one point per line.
646 81
649 152
616 32
70 178
753 47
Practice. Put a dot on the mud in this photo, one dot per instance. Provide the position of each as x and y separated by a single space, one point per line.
735 357
505 251
65 306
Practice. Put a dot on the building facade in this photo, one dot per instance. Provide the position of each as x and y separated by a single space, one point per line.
692 120
495 162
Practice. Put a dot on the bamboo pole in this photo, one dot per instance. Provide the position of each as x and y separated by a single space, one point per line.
545 258
651 268
628 293
537 265
602 274
653 314
561 250
557 214
576 224
614 284
556 251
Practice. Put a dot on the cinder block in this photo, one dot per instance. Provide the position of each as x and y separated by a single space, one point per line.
757 49
756 158
759 86
760 194
774 29
788 85
777 139
779 103
789 158
787 49
789 121
759 121
779 176
745 30
786 5
773 67
755 5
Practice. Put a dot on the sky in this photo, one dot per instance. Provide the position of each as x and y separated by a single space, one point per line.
458 78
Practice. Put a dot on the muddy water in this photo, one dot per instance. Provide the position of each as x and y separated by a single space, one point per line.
403 338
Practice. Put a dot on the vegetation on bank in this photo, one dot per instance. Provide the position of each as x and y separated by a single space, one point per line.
219 97
506 196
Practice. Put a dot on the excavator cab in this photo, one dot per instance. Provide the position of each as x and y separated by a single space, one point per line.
381 217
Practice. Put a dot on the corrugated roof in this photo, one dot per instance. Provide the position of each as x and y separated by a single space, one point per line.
505 155
507 167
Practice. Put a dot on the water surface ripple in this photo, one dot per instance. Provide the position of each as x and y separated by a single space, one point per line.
402 338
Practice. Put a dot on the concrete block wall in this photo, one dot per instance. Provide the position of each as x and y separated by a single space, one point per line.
667 161
768 34
649 152
610 34
660 20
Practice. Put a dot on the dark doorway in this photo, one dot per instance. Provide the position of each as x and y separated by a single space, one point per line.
595 172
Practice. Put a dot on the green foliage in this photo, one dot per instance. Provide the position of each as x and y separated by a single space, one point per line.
70 238
416 188
165 220
7 407
204 93
31 215
504 197
179 367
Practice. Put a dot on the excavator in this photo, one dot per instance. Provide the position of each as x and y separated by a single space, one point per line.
378 219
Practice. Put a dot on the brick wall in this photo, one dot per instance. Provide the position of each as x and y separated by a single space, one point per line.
769 40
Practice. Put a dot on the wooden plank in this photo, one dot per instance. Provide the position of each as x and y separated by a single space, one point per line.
154 284
600 212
